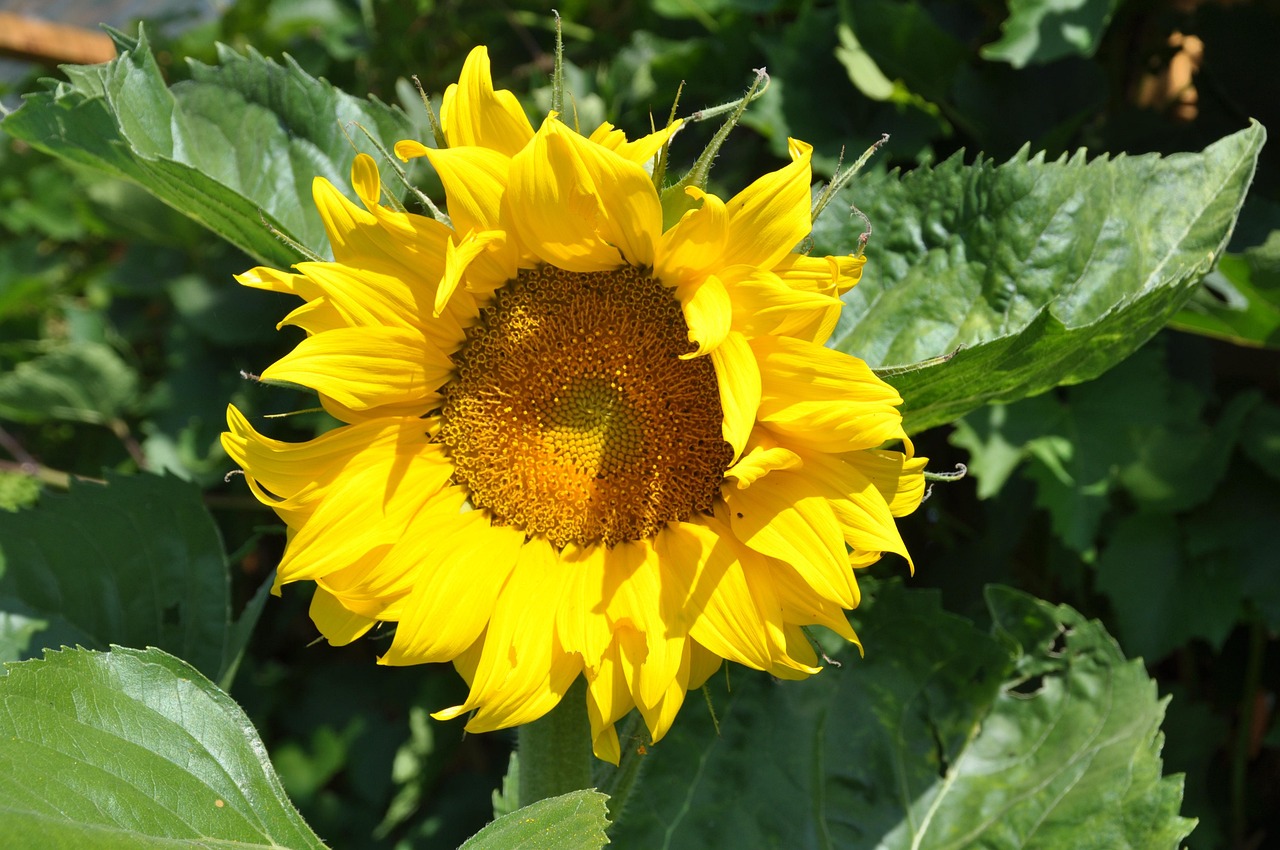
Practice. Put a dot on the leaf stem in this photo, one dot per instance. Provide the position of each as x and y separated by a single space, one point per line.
555 750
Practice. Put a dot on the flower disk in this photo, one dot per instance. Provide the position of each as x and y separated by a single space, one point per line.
588 429
573 414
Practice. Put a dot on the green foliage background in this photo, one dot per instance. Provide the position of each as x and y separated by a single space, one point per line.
1008 275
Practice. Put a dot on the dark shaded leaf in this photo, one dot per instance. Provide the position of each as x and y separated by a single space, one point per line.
77 382
1037 734
138 561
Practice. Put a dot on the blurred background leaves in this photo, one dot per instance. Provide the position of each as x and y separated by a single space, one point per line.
1145 497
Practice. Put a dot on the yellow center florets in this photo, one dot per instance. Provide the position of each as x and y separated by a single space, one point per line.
573 414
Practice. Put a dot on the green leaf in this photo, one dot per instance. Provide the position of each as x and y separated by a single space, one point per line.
1039 734
133 749
1240 301
1231 539
574 821
238 143
79 382
1032 273
138 561
1162 598
1261 438
906 44
1040 31
1135 427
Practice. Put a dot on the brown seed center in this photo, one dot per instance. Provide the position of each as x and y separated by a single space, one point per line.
573 416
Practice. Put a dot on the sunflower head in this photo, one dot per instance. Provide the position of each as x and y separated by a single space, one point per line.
577 440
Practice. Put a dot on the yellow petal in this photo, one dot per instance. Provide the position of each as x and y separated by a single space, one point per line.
823 399
705 567
801 605
377 239
273 280
763 457
380 241
581 623
523 671
861 509
579 206
365 512
771 216
796 659
703 663
663 711
473 113
292 477
366 368
738 377
338 625
316 316
828 275
642 149
763 305
459 568
608 701
708 313
458 258
380 589
899 477
474 181
366 298
691 248
636 597
780 516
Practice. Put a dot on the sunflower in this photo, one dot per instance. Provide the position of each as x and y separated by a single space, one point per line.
577 441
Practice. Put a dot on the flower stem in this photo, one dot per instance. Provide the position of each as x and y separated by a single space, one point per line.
555 750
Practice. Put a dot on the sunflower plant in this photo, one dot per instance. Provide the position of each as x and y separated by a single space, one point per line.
587 431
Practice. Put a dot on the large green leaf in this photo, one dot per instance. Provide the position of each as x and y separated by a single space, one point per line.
133 749
574 821
1032 273
238 143
1038 734
138 561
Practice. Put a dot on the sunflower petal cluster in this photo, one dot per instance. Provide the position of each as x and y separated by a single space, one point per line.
576 441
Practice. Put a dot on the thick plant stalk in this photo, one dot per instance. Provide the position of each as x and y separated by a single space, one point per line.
555 750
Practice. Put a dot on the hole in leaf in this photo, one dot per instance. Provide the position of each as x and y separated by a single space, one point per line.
1029 687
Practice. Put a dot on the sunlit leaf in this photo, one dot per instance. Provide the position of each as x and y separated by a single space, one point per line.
1031 273
17 490
133 749
234 146
574 821
1240 301
1040 31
